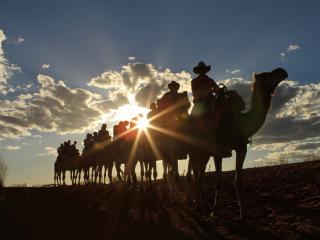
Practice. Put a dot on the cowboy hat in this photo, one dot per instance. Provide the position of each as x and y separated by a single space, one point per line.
173 85
201 68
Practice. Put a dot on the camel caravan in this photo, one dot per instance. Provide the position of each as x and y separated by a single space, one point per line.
217 124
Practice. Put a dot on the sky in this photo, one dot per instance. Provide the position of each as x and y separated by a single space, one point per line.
68 66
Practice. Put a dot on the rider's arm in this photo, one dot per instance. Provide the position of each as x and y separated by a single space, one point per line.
214 86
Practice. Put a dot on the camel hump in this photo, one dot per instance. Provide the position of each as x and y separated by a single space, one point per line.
236 102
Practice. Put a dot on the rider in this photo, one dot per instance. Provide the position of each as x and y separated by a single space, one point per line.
103 133
203 112
168 104
87 141
203 88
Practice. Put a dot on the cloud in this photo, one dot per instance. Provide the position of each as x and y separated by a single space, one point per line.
308 149
233 72
293 47
51 151
7 69
131 58
293 120
290 48
37 136
236 71
145 81
12 148
45 66
53 108
19 40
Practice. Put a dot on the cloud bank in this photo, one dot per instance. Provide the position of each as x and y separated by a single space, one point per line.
54 107
7 69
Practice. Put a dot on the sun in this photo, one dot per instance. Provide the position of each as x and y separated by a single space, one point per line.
143 123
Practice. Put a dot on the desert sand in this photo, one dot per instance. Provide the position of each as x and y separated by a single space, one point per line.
282 202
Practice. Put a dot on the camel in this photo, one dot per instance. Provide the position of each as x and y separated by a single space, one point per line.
245 126
63 165
105 160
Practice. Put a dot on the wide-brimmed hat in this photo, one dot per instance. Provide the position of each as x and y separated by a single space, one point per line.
201 68
173 85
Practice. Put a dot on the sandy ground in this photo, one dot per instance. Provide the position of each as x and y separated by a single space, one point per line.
283 202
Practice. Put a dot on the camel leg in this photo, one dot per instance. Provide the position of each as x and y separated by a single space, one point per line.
165 170
204 161
99 173
175 169
148 171
119 171
71 177
90 175
154 167
189 179
87 170
141 172
85 176
59 178
240 156
79 176
218 166
55 179
105 174
110 174
96 174
63 177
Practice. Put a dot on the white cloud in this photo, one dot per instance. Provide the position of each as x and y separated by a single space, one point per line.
12 148
53 108
283 55
7 69
145 81
293 47
51 151
45 66
131 58
19 40
290 48
37 136
236 71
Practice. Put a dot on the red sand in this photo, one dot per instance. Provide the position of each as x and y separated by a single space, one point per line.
283 202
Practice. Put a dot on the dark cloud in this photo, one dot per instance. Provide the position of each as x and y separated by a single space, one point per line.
286 129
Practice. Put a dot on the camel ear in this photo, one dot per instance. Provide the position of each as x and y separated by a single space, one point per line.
254 75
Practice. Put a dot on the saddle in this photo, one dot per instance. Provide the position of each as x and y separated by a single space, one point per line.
228 107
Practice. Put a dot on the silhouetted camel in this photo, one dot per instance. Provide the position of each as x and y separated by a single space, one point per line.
245 126
105 159
62 166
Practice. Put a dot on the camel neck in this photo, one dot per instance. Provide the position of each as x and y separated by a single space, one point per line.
256 116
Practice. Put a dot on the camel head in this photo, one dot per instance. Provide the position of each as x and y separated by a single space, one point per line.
268 81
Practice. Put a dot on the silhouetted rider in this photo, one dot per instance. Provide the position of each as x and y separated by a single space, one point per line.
203 89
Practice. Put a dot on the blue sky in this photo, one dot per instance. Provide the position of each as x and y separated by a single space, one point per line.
82 39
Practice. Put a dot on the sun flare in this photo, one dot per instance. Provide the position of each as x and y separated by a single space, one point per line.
143 123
